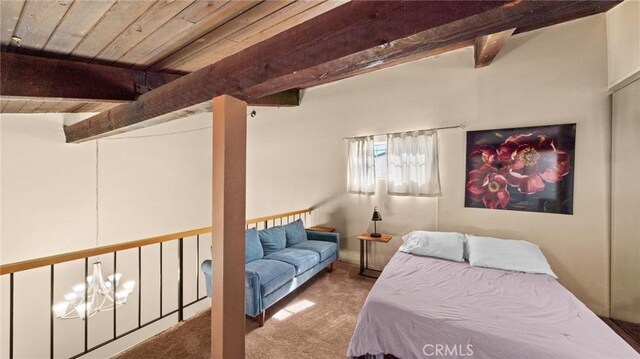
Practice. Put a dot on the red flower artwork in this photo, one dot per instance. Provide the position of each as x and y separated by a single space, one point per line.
488 186
481 155
534 160
528 163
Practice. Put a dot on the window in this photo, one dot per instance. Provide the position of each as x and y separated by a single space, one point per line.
413 164
407 161
360 165
380 155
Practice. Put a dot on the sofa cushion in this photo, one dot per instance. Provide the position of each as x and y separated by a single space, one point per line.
272 274
324 249
295 232
253 246
302 259
273 239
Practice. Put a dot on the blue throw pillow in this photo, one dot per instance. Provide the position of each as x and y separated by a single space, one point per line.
272 239
253 246
295 232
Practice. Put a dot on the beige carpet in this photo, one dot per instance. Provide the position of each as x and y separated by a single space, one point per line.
316 321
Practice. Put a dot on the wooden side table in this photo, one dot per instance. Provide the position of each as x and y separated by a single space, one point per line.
321 229
365 244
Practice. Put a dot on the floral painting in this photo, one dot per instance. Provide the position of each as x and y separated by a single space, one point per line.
522 169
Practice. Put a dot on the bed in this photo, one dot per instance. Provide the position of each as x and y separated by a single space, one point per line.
426 307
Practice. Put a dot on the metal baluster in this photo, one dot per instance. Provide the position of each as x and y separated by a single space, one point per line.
115 267
198 266
51 334
139 287
11 316
266 224
161 279
86 308
180 279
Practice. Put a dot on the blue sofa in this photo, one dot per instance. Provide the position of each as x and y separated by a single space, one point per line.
278 260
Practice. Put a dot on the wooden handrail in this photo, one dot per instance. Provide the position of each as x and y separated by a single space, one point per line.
92 252
277 216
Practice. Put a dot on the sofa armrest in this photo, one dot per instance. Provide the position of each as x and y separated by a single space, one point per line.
325 236
206 269
253 295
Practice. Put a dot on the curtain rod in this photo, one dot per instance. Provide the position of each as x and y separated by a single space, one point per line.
460 126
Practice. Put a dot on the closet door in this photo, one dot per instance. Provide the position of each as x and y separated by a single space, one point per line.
625 205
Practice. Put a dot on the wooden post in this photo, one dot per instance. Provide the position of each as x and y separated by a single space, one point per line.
229 181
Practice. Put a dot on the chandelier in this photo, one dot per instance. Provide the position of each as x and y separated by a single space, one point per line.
96 294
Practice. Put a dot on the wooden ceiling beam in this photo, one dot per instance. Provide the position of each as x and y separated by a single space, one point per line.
487 47
523 15
354 38
27 77
36 78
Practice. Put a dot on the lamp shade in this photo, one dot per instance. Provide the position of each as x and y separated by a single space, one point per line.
376 215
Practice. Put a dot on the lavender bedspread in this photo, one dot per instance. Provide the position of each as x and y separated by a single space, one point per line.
421 304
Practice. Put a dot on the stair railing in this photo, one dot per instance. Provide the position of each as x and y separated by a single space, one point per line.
12 269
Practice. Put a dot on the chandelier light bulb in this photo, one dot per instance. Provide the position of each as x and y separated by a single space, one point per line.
117 276
60 309
78 288
128 285
80 309
121 296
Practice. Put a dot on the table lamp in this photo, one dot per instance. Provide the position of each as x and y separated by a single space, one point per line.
376 217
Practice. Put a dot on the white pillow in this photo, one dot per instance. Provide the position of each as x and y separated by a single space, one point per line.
508 254
434 244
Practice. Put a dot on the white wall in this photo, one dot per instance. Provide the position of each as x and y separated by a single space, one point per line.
552 76
148 186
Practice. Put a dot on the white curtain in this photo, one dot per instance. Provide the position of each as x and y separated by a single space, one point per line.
361 177
413 164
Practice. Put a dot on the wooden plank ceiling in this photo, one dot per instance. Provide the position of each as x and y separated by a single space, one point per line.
259 43
167 36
